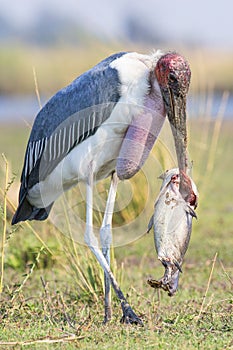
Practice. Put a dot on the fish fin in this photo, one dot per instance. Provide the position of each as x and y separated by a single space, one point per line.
178 266
151 224
191 212
162 176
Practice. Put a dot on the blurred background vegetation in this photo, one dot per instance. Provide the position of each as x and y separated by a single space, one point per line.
56 66
43 47
60 42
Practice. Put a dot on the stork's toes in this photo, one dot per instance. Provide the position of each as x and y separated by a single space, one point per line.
129 316
108 314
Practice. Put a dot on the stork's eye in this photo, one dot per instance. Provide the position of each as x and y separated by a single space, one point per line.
172 78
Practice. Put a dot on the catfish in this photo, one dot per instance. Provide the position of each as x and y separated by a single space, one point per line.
172 224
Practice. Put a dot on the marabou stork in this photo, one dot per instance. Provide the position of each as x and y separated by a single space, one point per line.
103 124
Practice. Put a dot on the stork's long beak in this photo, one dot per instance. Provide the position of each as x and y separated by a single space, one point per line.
176 111
175 105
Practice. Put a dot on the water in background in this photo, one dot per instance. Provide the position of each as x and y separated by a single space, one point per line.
25 108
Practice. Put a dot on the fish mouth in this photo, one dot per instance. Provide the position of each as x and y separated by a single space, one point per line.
170 286
170 279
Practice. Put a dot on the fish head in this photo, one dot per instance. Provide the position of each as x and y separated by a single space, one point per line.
172 177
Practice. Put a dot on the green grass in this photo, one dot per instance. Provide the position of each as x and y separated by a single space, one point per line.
43 294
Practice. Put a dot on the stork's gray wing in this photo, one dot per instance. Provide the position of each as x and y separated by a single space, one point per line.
71 116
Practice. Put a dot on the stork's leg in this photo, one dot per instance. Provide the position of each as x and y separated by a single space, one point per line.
106 240
128 314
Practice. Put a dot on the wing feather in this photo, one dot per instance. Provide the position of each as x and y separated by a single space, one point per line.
69 117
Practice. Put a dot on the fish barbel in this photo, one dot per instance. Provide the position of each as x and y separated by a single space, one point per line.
172 222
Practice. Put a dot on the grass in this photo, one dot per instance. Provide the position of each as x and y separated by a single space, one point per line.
52 288
46 304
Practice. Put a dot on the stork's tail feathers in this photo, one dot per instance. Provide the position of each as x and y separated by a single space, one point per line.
26 211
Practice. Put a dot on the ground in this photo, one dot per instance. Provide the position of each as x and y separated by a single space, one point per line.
52 296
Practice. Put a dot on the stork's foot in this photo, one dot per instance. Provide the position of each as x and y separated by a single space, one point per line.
129 316
107 315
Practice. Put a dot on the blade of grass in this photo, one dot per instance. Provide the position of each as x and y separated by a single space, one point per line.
36 87
4 222
32 267
46 340
226 273
216 133
9 202
207 287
